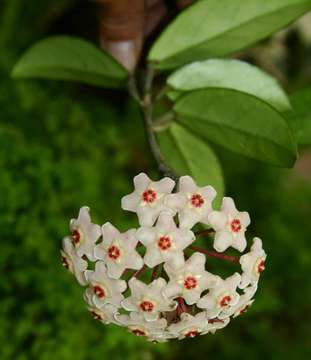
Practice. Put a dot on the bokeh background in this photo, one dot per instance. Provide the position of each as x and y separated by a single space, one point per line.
66 145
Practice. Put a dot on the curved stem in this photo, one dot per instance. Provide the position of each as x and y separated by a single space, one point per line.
204 232
147 108
216 254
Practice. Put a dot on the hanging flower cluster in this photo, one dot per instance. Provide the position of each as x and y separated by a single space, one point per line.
153 280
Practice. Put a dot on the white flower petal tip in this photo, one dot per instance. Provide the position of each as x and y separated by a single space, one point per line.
252 264
192 203
148 198
154 280
84 233
230 226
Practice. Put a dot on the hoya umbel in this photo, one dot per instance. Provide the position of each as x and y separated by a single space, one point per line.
154 280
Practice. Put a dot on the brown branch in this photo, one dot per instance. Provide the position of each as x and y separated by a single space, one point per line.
216 254
204 232
122 29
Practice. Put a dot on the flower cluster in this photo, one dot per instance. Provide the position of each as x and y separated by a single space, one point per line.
152 280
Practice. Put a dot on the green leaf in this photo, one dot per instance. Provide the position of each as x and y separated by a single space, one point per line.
69 58
188 154
213 28
230 74
301 102
239 122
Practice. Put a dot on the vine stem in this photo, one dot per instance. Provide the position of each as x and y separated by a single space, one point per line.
147 109
204 232
215 254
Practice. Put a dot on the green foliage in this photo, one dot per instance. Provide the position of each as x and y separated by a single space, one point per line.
69 58
239 122
228 74
200 162
213 28
64 147
301 117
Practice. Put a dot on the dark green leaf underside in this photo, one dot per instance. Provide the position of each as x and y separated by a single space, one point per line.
187 154
239 122
213 28
69 58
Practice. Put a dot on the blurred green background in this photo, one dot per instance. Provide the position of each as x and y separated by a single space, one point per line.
63 146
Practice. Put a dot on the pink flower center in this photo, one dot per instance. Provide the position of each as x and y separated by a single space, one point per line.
215 320
236 225
261 266
65 262
192 334
95 315
190 283
99 291
149 196
164 243
146 306
225 301
197 200
114 252
76 237
138 332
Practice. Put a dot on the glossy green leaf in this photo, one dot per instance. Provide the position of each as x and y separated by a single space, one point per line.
301 116
240 122
69 58
213 28
188 154
230 74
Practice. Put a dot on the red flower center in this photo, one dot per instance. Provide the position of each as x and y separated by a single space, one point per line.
164 243
146 306
236 225
192 334
138 332
149 196
99 291
197 200
76 237
65 262
114 252
225 301
190 283
261 266
95 315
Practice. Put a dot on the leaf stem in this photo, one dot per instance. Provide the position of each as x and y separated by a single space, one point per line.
215 254
204 232
147 109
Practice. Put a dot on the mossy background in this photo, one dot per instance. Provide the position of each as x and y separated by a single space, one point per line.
63 146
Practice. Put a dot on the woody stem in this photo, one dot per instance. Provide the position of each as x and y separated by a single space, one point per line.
204 232
215 254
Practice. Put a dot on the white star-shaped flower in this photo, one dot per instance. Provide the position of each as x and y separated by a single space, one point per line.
147 198
192 203
164 241
189 280
72 262
220 297
118 251
230 226
245 301
84 233
148 299
253 264
106 313
189 326
215 324
103 289
137 324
